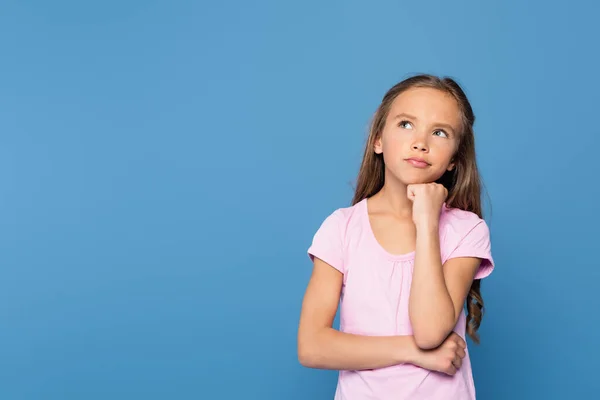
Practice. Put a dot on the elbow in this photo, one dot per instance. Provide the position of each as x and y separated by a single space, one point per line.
429 339
309 359
307 354
427 342
306 360
430 334
304 356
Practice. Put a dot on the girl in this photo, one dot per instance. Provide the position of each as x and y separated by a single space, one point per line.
405 257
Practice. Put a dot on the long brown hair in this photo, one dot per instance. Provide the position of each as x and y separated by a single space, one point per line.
463 182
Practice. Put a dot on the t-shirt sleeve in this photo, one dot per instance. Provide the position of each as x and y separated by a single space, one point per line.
328 242
476 243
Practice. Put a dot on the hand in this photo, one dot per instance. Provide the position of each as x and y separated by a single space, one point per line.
427 199
447 358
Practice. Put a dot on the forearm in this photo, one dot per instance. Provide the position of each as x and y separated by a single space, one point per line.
332 349
431 309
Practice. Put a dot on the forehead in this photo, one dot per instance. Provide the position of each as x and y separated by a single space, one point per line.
428 106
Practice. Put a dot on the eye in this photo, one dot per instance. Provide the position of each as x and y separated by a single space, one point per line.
440 133
405 124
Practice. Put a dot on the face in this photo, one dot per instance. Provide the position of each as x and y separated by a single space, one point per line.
420 136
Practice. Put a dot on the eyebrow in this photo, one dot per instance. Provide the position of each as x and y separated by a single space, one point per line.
440 124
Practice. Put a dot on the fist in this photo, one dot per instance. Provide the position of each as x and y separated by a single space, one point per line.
447 358
427 199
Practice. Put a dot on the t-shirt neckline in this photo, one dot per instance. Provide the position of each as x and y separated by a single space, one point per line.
375 242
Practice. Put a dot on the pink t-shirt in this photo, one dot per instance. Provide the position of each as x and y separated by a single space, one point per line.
375 296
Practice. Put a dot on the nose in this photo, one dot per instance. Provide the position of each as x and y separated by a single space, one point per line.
420 145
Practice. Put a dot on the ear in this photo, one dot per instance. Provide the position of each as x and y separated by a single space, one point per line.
451 166
378 147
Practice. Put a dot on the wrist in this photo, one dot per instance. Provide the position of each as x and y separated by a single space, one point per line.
407 351
427 225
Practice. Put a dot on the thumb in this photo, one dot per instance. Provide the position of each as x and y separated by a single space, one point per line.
410 193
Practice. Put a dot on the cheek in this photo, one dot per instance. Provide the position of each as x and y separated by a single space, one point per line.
445 152
393 145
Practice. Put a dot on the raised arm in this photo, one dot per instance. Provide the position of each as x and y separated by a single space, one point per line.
438 292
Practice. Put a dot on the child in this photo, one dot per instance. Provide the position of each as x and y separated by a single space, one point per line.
405 257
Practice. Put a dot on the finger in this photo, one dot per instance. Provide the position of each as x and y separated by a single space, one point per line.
457 362
451 370
461 342
440 189
461 353
458 340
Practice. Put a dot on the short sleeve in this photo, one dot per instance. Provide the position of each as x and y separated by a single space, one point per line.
328 242
476 243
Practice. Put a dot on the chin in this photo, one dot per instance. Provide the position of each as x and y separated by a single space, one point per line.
412 176
418 181
414 180
415 177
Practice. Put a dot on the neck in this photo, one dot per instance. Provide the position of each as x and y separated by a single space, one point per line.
393 198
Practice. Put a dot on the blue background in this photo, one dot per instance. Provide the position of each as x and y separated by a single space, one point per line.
164 165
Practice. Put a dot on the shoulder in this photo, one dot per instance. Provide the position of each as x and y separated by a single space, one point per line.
465 234
341 219
461 222
329 241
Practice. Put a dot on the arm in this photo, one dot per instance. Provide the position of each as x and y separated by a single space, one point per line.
321 346
438 292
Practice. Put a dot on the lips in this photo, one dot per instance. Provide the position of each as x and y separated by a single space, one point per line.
417 162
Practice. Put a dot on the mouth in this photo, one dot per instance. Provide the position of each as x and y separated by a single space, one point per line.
417 162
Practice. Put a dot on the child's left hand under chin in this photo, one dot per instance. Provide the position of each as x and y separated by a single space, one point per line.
427 199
